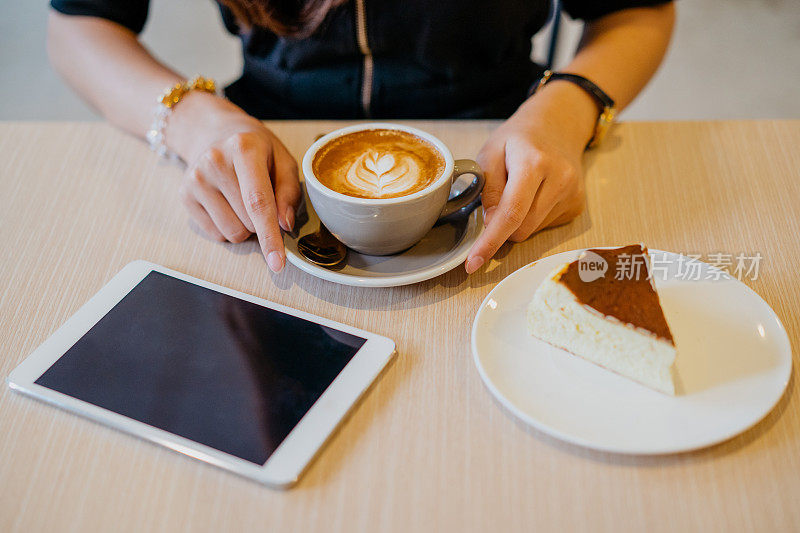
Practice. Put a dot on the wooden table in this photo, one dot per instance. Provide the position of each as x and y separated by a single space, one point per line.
429 449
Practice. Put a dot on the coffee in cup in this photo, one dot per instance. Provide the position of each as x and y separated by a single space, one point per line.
378 163
380 187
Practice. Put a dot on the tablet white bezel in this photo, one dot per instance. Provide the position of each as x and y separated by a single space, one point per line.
292 456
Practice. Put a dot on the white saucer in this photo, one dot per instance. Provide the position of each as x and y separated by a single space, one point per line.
733 365
443 248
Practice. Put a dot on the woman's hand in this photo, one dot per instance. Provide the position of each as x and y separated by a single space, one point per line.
533 161
240 179
533 168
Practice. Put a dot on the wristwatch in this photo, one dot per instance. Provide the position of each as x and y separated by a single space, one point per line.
605 103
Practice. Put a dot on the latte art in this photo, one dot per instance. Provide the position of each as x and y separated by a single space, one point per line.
378 164
383 174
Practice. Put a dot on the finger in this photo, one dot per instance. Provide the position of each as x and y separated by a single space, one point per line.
201 218
564 212
233 196
523 183
551 219
286 185
250 164
224 217
548 195
492 161
215 164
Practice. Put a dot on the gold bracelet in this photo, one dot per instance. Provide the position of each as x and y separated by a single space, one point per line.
172 95
166 102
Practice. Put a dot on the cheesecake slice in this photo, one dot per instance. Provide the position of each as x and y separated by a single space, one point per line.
604 307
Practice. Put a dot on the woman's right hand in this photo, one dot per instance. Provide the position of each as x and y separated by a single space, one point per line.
240 179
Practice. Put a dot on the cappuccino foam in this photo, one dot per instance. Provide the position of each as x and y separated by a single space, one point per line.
379 163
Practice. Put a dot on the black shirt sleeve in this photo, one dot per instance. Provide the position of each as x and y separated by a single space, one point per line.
593 9
130 13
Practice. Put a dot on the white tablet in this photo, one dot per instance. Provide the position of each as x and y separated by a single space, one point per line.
227 378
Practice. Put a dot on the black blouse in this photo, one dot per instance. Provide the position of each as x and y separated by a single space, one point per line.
416 58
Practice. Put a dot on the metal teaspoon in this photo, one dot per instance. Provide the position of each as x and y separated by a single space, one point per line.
322 248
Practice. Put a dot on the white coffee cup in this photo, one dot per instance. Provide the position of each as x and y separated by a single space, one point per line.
383 226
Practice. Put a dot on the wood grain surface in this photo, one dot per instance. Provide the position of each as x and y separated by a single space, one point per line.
428 449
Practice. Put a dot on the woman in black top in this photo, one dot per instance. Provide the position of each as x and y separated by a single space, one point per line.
362 59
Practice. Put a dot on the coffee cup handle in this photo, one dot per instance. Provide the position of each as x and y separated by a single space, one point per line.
466 199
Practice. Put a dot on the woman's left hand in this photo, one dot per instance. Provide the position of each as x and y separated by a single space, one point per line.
533 168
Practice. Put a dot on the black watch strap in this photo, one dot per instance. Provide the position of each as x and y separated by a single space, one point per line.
603 100
587 85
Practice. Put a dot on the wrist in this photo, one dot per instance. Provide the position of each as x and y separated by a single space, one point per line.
566 109
195 114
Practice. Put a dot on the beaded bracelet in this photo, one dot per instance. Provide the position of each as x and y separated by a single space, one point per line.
166 102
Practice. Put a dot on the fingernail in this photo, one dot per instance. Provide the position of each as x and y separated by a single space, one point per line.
488 214
275 261
473 264
289 219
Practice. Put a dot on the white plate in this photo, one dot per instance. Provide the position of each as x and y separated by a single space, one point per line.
443 248
734 362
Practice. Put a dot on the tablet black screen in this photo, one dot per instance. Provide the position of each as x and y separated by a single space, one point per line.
220 371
